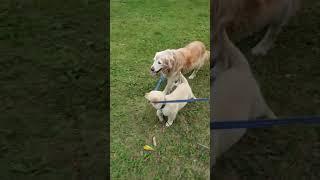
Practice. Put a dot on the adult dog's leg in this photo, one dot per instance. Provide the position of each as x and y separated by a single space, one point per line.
168 87
274 29
194 73
205 58
160 115
267 42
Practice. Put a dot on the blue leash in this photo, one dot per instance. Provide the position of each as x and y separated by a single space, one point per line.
183 100
263 123
162 78
245 124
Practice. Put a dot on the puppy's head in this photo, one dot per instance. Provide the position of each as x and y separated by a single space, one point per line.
163 62
153 97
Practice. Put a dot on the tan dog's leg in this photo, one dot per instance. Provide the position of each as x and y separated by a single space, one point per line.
171 117
194 73
205 58
160 115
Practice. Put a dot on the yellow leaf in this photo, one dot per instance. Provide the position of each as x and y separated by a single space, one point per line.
148 148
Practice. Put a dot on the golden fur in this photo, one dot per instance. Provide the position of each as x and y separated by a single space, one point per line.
171 62
248 16
187 58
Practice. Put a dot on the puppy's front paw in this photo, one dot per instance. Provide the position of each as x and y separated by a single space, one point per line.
168 124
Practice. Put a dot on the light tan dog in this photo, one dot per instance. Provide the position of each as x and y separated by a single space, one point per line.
235 94
183 91
248 16
171 62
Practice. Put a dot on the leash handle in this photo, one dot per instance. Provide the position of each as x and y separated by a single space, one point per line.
162 78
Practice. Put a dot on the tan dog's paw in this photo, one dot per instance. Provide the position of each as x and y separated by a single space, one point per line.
168 124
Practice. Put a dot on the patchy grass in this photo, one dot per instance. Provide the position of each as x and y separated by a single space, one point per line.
289 77
53 95
139 29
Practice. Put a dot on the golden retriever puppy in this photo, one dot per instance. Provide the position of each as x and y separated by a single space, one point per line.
182 91
248 16
171 62
235 95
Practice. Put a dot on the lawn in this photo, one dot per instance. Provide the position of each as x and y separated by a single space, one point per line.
53 90
289 77
139 29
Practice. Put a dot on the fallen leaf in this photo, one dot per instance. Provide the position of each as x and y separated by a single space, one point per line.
154 141
148 148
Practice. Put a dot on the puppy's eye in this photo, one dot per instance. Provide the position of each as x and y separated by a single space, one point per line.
159 62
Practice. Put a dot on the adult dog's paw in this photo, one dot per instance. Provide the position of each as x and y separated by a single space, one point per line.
191 76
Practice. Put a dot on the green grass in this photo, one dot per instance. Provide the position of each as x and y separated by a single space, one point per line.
289 77
53 97
139 29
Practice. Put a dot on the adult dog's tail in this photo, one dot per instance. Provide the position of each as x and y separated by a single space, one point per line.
206 56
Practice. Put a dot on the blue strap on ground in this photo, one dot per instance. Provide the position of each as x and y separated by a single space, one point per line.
162 78
263 123
183 100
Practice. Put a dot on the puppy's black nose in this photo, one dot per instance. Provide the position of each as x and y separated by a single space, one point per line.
152 68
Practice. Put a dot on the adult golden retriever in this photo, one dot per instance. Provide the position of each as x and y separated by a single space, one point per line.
171 62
